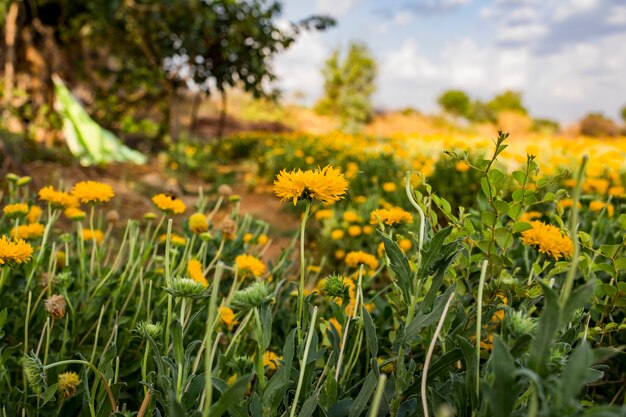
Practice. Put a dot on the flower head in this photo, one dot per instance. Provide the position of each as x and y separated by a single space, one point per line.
14 252
227 316
168 203
27 231
391 216
89 235
249 265
326 185
548 239
55 305
270 359
354 259
59 199
175 239
15 210
34 213
92 192
67 383
198 223
74 213
194 269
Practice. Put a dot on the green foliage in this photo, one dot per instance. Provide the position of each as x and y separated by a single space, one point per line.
507 100
348 86
455 102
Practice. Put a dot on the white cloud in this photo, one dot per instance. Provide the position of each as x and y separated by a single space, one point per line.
617 16
336 8
406 63
565 9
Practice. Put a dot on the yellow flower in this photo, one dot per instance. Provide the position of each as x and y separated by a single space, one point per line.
335 323
198 223
262 239
529 216
461 166
350 216
355 230
175 239
169 204
33 214
270 359
17 251
194 269
15 210
74 213
27 231
355 258
326 185
67 383
340 254
389 187
597 206
249 265
360 199
59 199
89 235
391 216
336 234
227 316
323 214
368 230
247 237
548 239
92 192
405 244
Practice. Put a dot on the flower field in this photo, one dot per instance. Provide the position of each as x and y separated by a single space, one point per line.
441 275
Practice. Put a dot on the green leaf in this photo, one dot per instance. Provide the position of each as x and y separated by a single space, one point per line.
309 406
573 377
504 388
502 206
578 298
521 226
279 384
233 395
609 290
176 330
548 325
504 238
519 176
399 265
370 334
609 250
422 320
361 400
620 265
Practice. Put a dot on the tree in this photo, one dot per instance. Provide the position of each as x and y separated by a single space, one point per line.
597 125
130 52
455 102
508 100
349 85
623 113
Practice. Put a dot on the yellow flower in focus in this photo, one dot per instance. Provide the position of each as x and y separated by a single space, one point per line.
194 269
270 359
15 210
326 185
389 187
391 217
356 258
548 239
336 234
597 206
169 204
355 230
14 252
198 223
350 216
67 383
92 192
74 213
58 199
27 231
89 235
227 316
34 213
249 265
323 214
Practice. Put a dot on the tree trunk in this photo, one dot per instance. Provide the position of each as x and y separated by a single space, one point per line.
222 122
9 64
195 109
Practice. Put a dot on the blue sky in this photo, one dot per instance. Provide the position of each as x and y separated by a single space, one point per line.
568 57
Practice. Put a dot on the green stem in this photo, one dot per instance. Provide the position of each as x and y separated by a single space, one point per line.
302 270
303 363
208 357
479 313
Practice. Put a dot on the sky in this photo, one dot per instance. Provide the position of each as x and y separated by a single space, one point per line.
567 57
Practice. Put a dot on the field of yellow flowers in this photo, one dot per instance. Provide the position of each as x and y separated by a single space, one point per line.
429 276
